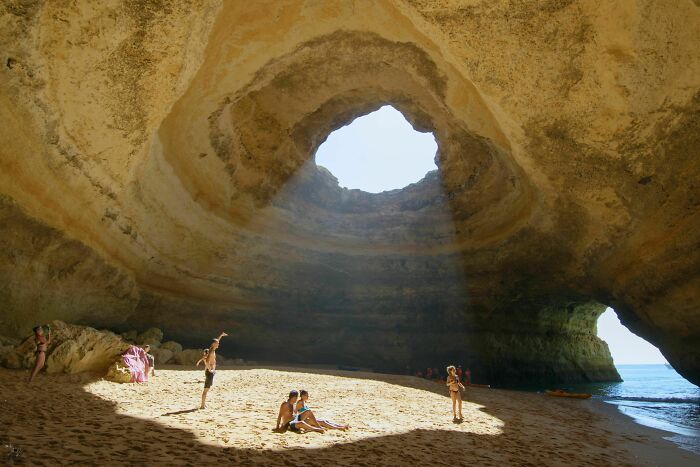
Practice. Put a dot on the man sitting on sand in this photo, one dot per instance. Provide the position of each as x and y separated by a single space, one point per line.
210 368
286 418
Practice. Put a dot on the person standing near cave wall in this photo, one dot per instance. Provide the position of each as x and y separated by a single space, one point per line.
210 368
454 385
42 341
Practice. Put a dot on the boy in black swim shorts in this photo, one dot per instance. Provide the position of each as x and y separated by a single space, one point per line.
210 368
208 379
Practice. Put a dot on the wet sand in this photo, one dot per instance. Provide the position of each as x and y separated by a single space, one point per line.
396 420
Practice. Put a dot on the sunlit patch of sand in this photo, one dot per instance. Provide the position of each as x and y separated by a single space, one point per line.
242 407
396 420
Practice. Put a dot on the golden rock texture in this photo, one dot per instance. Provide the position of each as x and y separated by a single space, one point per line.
156 169
73 349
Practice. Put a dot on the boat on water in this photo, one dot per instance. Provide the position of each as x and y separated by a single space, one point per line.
572 395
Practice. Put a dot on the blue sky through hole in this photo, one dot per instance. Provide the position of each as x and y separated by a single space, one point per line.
377 152
381 151
626 348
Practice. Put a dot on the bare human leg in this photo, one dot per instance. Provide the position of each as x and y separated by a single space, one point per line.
309 418
332 426
307 426
38 365
454 395
204 399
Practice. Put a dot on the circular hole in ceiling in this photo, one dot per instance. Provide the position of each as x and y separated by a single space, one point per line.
378 152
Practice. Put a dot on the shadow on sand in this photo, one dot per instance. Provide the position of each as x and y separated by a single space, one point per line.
83 430
179 412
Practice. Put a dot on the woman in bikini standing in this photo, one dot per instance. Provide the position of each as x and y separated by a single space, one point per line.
454 386
42 342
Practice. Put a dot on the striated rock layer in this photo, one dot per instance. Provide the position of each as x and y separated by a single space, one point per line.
156 169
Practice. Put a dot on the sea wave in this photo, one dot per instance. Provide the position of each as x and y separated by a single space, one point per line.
670 400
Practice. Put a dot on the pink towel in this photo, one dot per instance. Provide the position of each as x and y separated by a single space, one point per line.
135 358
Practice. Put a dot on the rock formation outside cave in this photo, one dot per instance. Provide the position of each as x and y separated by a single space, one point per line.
156 167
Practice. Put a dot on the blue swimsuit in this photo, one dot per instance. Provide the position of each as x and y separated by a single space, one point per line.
297 419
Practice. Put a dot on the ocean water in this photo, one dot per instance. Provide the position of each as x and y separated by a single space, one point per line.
655 396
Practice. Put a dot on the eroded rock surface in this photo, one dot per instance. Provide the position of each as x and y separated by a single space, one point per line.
156 169
73 349
78 349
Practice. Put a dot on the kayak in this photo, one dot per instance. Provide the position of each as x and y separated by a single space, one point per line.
572 395
479 385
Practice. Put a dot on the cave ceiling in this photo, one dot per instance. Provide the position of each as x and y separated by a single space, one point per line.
157 166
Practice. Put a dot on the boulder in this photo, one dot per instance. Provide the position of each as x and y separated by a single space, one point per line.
118 372
172 346
162 356
130 335
151 336
4 341
9 358
187 357
73 349
221 360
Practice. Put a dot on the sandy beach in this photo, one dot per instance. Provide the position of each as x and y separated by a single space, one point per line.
395 420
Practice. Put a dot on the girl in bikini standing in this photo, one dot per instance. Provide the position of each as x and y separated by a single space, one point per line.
454 386
42 342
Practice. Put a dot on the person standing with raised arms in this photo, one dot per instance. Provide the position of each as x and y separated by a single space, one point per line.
210 368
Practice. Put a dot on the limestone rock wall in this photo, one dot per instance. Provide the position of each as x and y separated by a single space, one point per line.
156 169
45 275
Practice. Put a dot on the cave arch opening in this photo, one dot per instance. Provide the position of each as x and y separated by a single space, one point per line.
626 347
377 152
650 390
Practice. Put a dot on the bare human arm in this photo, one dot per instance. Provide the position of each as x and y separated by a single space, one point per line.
279 417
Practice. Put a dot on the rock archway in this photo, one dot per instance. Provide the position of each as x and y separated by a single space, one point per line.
157 169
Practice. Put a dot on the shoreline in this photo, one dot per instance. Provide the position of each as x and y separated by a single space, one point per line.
394 419
658 450
685 438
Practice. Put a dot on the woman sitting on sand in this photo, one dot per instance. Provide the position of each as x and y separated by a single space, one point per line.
454 386
42 342
287 419
305 414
